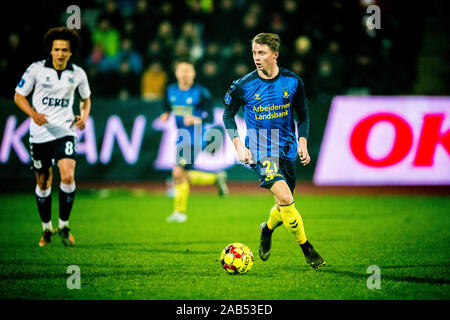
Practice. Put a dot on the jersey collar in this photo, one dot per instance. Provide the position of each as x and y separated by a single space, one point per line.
270 80
49 64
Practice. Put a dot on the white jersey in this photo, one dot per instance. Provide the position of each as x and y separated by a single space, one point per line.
53 96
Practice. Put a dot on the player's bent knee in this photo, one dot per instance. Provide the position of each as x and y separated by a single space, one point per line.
44 185
67 178
68 181
44 180
285 199
178 174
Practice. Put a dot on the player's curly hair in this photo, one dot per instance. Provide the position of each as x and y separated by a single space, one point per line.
272 40
62 33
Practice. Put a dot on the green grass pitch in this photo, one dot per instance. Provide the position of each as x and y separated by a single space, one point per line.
126 250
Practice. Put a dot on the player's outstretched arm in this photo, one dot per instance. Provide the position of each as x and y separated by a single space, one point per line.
233 101
85 109
22 102
243 153
300 104
164 116
302 151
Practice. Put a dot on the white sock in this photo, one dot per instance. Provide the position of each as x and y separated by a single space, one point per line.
43 193
63 224
67 188
47 226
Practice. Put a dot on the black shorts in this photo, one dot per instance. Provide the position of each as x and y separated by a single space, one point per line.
185 156
186 152
44 155
271 170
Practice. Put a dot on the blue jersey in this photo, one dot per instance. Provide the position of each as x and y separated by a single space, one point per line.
269 106
195 101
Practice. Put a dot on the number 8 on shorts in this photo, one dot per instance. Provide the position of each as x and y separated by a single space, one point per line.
69 148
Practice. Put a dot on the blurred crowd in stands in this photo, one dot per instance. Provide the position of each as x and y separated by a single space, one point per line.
129 45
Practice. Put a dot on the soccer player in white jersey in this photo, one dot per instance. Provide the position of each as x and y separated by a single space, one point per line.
53 125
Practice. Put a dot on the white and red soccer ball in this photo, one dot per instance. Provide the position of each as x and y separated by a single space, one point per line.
236 258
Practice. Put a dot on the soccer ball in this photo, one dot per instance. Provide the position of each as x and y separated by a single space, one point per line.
236 258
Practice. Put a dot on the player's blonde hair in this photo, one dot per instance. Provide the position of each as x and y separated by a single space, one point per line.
272 40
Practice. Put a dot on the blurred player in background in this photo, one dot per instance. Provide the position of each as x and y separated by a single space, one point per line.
269 96
191 105
53 125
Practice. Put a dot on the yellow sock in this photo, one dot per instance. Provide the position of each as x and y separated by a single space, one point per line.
181 197
201 178
293 222
274 218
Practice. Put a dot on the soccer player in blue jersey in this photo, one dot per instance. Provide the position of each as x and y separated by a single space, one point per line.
191 104
270 95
